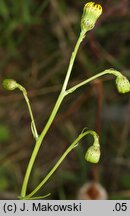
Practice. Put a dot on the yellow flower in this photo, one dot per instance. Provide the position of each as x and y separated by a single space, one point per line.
91 13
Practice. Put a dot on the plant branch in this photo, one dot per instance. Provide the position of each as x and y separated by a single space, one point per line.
33 125
38 144
109 71
69 149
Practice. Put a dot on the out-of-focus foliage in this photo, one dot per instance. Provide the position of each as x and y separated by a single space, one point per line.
4 181
36 41
15 16
4 133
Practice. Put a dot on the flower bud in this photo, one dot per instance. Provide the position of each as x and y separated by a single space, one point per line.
123 84
93 154
10 84
91 13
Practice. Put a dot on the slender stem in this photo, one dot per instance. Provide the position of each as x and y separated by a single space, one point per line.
33 125
38 144
114 72
51 118
74 53
69 149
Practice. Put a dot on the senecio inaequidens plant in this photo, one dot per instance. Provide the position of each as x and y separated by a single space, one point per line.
91 13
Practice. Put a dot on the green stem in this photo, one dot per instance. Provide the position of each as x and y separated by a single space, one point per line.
51 118
69 149
113 72
38 144
74 53
33 125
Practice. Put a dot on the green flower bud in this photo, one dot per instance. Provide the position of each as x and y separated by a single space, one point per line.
123 84
10 84
93 154
91 13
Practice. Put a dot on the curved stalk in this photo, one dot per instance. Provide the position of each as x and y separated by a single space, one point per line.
108 71
33 125
69 149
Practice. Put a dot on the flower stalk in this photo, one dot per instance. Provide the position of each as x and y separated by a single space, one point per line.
10 84
69 149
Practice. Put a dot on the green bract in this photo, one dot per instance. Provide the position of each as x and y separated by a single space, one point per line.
10 84
91 13
93 154
123 84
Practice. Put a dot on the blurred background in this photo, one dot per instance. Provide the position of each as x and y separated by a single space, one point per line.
36 41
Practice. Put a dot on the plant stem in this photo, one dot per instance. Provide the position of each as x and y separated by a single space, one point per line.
38 144
33 125
51 118
74 53
114 72
69 149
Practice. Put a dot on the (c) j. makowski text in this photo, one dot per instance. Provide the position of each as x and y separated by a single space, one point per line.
39 207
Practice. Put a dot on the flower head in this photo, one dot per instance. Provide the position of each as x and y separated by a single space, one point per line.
123 84
91 13
9 84
93 154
